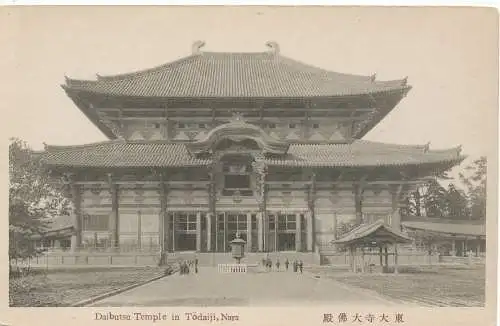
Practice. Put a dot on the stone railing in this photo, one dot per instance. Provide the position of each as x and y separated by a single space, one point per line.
232 268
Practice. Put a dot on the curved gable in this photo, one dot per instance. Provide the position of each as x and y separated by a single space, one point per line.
238 131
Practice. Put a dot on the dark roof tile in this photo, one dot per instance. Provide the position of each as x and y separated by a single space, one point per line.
239 75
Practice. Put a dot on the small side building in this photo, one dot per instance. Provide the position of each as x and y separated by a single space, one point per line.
448 236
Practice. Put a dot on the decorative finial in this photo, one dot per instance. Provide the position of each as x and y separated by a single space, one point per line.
238 235
45 146
373 77
405 81
196 48
274 46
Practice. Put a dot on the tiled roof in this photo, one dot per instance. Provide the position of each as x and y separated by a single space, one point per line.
449 226
235 75
372 230
121 153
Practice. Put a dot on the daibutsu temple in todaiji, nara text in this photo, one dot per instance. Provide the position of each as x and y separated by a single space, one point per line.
219 143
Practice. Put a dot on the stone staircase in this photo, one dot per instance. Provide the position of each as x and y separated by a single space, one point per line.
253 258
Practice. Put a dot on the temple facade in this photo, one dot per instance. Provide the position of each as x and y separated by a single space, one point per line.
219 143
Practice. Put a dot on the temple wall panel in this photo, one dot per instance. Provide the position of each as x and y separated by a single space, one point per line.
143 130
287 198
377 201
187 198
95 197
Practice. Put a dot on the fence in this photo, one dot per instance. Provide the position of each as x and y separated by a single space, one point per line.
232 268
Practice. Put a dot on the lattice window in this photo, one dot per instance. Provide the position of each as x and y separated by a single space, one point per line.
95 222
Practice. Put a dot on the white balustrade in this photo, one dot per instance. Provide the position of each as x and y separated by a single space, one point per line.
232 268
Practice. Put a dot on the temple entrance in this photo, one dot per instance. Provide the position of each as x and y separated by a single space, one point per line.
286 242
185 231
229 224
185 242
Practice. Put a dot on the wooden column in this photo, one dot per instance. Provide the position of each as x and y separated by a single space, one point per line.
298 232
164 217
249 232
309 229
386 257
225 233
260 232
114 218
453 247
76 239
139 230
380 254
173 231
396 217
396 258
198 232
216 218
358 203
209 231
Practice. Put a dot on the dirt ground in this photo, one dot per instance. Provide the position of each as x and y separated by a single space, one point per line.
456 286
65 287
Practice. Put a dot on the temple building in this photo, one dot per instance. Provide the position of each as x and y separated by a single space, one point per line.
219 143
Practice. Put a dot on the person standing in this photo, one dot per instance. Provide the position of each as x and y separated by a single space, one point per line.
286 264
295 266
196 265
277 265
301 265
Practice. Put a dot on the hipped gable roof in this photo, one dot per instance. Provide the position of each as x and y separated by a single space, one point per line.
236 75
372 231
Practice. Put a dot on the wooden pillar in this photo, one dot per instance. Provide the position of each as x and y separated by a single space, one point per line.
395 215
298 232
453 247
225 233
76 239
173 231
362 260
260 232
198 232
396 258
386 257
249 232
380 254
165 241
114 218
357 189
139 230
209 231
309 229
216 218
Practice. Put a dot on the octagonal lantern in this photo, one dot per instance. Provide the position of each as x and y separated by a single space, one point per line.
238 248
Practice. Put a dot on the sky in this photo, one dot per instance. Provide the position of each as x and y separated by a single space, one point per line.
450 56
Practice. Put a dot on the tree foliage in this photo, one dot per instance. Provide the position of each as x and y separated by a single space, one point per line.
33 199
466 199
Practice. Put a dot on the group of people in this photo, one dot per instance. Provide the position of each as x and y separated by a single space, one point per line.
185 266
297 265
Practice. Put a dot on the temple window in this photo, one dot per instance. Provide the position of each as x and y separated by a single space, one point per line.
315 125
181 125
96 222
271 126
157 126
201 125
292 126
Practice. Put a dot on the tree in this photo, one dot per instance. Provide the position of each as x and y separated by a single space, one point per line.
33 200
474 180
456 202
435 200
